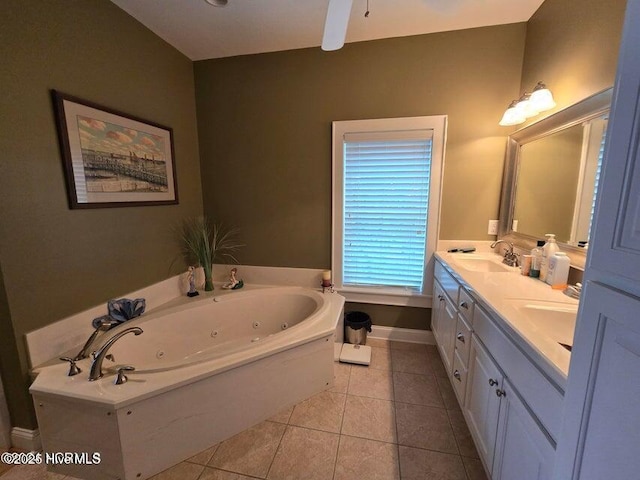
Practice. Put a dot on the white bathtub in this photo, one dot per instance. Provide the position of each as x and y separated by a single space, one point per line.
206 368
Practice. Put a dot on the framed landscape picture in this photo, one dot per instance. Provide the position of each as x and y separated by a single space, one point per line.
112 159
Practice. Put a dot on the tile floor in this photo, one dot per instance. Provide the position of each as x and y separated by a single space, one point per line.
396 419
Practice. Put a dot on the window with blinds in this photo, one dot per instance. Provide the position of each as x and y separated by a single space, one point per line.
386 198
387 175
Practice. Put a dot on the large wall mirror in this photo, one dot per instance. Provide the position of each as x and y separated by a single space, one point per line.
551 177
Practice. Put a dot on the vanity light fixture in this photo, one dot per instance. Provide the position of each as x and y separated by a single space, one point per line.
512 116
529 105
217 3
541 98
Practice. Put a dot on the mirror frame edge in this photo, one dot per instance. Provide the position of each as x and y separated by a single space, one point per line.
584 110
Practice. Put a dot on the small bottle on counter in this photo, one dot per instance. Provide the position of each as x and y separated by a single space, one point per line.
536 260
548 250
558 273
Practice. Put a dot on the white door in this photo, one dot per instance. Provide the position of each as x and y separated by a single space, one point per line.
523 450
601 430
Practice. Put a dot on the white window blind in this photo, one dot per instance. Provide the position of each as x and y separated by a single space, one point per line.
386 204
598 169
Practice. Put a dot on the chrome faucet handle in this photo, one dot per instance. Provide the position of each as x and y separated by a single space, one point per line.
122 378
73 368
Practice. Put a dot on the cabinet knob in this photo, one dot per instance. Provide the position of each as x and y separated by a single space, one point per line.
456 375
500 392
492 382
441 297
464 305
460 337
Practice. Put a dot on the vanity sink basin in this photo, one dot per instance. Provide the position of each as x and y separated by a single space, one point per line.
552 319
479 263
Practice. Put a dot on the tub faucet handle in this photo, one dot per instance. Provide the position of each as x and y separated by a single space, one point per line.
73 368
122 378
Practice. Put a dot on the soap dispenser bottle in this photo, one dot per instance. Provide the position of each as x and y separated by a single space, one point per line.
548 250
536 260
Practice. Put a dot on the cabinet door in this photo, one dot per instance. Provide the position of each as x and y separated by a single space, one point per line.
523 450
436 312
481 404
448 319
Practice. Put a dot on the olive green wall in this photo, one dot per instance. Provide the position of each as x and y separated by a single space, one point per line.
572 45
58 261
390 316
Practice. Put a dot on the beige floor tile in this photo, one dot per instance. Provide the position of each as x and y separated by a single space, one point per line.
181 471
378 342
341 377
370 382
204 457
322 412
370 418
463 437
437 366
448 395
305 454
425 427
415 347
360 459
380 358
283 416
250 452
475 470
418 464
417 389
411 361
215 474
30 472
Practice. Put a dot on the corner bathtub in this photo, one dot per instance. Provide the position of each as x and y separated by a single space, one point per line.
206 369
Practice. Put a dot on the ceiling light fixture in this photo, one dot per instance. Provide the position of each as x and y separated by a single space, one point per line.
217 3
529 105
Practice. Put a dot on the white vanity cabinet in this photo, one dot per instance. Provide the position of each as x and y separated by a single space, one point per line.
513 410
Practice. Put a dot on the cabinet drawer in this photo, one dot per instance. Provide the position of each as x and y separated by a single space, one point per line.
448 283
459 378
463 340
465 305
541 396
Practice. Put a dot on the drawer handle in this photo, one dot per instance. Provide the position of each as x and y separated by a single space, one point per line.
464 305
492 382
441 297
456 375
460 337
500 393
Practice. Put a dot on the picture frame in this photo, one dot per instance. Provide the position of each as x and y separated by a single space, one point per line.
112 159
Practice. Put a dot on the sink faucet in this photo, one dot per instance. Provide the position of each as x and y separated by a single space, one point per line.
104 325
96 365
510 258
573 291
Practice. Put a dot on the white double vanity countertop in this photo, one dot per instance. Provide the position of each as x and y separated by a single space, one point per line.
537 317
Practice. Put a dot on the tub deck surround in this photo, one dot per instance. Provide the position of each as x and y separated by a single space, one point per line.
211 367
156 376
534 315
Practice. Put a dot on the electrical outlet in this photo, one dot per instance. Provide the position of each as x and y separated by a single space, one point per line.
493 227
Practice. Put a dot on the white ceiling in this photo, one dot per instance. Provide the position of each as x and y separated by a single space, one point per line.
202 31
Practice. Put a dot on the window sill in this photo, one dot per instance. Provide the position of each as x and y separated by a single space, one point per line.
386 298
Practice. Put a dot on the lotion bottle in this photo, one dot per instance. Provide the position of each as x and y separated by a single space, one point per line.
558 273
548 250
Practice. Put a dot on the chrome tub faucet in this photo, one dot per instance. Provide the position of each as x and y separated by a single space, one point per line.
103 326
99 356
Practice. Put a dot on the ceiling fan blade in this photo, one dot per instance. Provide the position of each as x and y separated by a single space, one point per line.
335 26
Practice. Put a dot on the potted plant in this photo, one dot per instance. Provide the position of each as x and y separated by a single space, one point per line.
203 242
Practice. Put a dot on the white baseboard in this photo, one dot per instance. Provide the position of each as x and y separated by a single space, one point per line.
24 439
409 335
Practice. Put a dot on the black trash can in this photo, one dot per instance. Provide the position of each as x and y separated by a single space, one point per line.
356 326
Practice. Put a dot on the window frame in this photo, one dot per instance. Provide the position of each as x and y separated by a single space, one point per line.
388 295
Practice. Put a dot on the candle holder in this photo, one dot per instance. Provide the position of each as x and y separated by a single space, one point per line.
326 284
